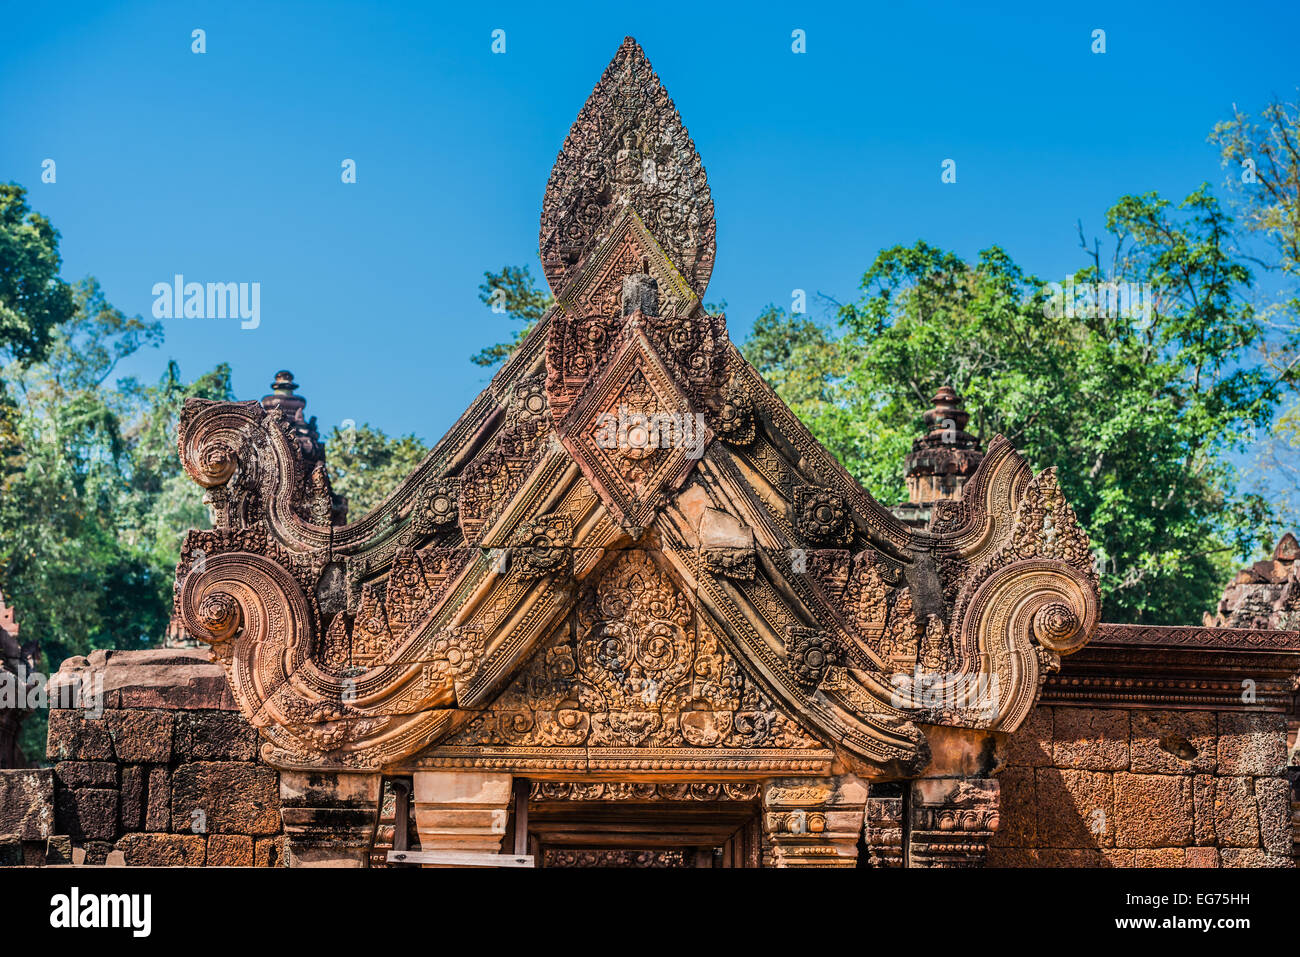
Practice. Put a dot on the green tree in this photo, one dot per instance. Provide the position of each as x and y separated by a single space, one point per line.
512 292
87 540
366 465
1263 159
34 301
1140 414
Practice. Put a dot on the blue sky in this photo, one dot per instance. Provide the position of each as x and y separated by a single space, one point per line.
225 166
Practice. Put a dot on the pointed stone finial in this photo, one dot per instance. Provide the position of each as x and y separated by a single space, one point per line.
1288 549
283 399
947 455
628 147
324 507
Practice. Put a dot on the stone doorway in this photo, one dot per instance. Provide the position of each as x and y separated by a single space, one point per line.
644 825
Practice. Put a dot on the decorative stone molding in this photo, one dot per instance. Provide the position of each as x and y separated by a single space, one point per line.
952 821
813 822
549 591
329 819
883 833
462 811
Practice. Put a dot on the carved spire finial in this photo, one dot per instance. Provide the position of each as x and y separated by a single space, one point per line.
947 455
628 147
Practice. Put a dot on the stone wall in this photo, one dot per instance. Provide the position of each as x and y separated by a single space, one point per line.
164 772
1141 787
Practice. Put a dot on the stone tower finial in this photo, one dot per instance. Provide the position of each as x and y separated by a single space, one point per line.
323 506
945 457
628 147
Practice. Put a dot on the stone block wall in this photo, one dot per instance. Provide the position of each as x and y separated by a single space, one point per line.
164 772
1140 787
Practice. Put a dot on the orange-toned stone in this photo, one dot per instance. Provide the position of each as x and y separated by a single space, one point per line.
1091 739
1153 810
1173 742
230 850
1075 808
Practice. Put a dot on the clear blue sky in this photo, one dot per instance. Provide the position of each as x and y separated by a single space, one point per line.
225 166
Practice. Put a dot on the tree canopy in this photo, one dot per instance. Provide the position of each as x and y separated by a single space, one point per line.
1139 412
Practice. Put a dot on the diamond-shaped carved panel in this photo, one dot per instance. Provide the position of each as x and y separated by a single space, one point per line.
634 434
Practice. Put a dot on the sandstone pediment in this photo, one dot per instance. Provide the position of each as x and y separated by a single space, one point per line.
628 556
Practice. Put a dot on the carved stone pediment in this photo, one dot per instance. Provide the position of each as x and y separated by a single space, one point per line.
579 581
634 433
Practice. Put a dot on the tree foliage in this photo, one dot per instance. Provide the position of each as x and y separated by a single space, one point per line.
1140 414
366 465
513 292
94 504
34 301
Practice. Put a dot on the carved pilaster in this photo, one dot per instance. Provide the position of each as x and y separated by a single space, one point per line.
462 811
952 821
329 817
884 825
813 822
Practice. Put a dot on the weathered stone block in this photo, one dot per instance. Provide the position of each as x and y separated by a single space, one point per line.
1201 857
1118 857
1252 743
1174 742
1031 745
141 736
88 813
86 774
1251 857
92 853
1091 739
11 850
166 678
34 853
58 849
1072 857
158 800
230 850
1153 810
1273 797
1012 857
214 736
1017 809
27 803
74 736
269 851
131 805
163 850
1075 808
233 796
1204 812
1236 816
1160 857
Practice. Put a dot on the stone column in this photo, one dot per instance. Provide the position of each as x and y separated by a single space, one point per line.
329 817
884 827
813 822
462 811
952 821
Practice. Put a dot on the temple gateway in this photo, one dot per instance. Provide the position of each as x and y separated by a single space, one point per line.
628 604
628 611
